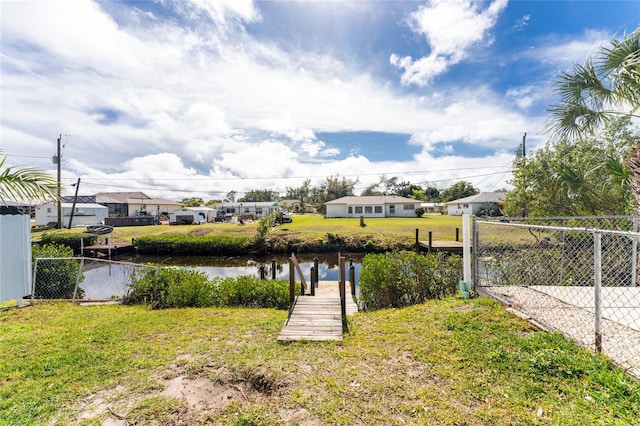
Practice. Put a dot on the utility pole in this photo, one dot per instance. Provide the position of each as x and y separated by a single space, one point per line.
75 199
59 160
524 146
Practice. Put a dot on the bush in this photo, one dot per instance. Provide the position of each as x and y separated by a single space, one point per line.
55 278
252 292
192 245
419 212
172 288
164 287
406 278
74 241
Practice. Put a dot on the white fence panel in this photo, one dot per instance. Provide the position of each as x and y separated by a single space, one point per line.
15 257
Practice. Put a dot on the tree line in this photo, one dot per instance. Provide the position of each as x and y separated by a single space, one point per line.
334 187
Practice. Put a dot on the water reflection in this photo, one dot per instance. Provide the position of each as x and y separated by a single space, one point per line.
234 266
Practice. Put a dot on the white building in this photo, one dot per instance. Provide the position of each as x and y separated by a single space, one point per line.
84 214
472 204
372 206
198 215
248 209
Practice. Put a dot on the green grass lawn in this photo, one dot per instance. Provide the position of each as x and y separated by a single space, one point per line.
442 226
311 226
450 362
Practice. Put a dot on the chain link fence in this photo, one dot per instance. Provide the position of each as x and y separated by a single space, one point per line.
81 279
577 276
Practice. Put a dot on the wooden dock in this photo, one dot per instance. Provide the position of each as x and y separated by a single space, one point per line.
445 246
104 249
318 317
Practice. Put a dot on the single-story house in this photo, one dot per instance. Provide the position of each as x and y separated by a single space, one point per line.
372 206
132 204
472 204
84 214
295 206
248 209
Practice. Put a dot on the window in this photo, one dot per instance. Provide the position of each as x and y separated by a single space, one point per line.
368 209
378 209
408 206
259 211
48 209
350 210
230 210
392 208
358 209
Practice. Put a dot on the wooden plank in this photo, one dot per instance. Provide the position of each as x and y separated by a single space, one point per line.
297 266
317 318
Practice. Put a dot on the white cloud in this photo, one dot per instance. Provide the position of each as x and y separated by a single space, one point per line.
451 28
213 104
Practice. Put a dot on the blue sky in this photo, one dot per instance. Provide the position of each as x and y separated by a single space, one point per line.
201 97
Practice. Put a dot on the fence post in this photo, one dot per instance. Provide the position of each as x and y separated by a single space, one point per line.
313 281
597 286
417 240
292 282
343 297
316 265
634 254
273 269
262 272
466 255
475 245
33 281
352 278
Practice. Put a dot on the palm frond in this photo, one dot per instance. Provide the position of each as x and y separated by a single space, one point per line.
25 183
606 86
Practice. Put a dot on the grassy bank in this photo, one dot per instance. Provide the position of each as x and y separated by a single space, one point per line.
307 233
444 362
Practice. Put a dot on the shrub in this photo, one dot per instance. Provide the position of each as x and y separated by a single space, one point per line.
172 288
55 278
164 287
75 241
419 212
252 292
192 245
406 278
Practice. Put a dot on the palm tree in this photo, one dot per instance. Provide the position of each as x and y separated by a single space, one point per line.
605 87
25 183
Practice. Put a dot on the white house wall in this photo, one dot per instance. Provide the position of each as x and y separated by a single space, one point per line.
48 213
369 211
336 210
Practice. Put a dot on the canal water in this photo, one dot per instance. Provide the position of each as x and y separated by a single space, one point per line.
221 266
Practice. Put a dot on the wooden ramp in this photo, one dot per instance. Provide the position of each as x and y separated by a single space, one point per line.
317 317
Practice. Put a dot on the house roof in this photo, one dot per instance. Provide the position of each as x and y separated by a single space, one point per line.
120 197
152 201
373 199
481 198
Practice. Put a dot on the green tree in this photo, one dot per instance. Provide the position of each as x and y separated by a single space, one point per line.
458 190
607 86
582 177
231 196
25 183
192 202
260 195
